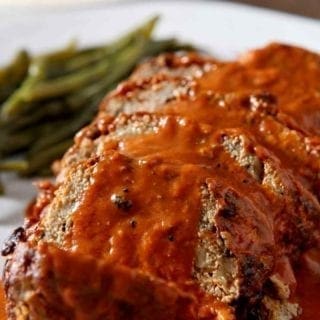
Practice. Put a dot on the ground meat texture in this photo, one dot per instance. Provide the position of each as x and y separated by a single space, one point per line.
191 195
231 261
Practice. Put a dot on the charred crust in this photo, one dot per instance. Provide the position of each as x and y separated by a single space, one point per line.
230 209
18 235
227 212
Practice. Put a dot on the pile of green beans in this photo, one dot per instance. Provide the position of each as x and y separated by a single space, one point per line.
46 99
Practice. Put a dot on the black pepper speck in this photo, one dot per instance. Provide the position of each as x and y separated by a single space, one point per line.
133 224
121 202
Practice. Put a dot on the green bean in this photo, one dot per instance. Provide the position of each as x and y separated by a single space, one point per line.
43 172
39 162
17 68
12 143
81 60
13 75
145 31
61 55
43 111
43 159
16 102
66 130
167 45
86 94
72 82
88 56
13 165
35 88
69 83
120 68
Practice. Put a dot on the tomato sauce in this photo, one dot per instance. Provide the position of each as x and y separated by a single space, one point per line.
2 303
308 285
143 206
284 90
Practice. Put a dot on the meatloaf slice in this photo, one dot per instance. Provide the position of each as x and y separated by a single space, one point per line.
184 65
44 288
177 177
298 212
257 109
228 251
184 199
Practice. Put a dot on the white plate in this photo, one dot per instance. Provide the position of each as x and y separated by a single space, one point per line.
223 28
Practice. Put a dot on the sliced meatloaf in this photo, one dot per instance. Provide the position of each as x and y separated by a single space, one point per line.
192 195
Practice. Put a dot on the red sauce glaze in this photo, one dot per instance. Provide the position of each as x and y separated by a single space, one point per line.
148 211
308 285
143 205
159 219
2 303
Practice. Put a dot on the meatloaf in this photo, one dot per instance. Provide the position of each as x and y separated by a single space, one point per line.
192 195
